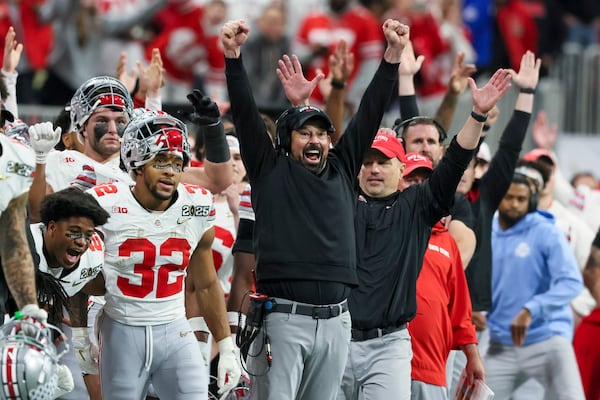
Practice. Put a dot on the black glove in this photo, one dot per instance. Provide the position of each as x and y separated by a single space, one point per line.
206 112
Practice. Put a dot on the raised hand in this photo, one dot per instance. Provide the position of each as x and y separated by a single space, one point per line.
341 65
152 76
409 64
529 71
12 51
43 138
297 88
128 79
543 133
233 35
397 36
486 97
206 111
460 73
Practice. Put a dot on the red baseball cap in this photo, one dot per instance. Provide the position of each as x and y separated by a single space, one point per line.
413 161
389 146
538 153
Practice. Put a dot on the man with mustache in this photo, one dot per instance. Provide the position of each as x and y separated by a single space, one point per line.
304 195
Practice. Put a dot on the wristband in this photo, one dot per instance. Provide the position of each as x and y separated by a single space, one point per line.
478 117
527 90
337 84
216 149
198 324
40 157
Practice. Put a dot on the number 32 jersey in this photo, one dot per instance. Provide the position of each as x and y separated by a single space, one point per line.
147 252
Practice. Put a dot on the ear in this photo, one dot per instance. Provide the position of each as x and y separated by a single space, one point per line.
51 227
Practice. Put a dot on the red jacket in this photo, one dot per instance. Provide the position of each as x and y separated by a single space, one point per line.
37 39
443 320
518 29
183 43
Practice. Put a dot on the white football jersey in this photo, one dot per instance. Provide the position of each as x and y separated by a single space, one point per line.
147 252
17 164
90 263
65 167
224 239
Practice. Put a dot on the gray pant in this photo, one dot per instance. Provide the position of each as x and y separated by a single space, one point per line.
308 357
167 355
80 391
378 368
426 391
551 362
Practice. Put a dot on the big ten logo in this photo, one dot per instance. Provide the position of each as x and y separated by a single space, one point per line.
119 210
195 211
69 160
19 169
96 243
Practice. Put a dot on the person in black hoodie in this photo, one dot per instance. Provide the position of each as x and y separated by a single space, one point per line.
304 197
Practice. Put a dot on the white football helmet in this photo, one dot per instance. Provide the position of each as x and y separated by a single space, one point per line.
28 360
101 91
18 130
150 133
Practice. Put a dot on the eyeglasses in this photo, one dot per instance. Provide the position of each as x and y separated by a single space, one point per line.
76 236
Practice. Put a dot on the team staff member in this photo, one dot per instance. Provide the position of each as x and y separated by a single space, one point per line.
534 278
392 232
443 319
585 342
159 231
303 195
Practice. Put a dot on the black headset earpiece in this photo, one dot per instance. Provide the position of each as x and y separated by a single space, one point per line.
399 126
534 194
283 133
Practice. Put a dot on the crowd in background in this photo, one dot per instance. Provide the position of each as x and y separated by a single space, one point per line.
160 50
67 41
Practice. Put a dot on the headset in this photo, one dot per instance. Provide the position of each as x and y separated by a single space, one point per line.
292 118
400 126
529 176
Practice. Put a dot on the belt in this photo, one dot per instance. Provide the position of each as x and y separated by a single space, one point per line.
359 335
317 312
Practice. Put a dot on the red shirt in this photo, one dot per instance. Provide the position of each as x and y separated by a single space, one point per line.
357 26
183 43
443 320
37 39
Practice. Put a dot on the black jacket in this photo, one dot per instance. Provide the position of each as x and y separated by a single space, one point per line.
304 222
392 234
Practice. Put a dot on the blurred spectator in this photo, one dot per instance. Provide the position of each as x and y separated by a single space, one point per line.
427 40
454 30
74 57
584 178
516 33
123 28
582 18
478 16
191 52
320 33
35 34
548 16
263 50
